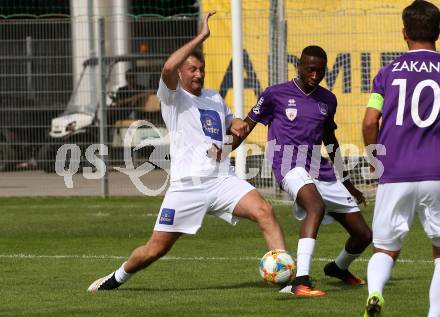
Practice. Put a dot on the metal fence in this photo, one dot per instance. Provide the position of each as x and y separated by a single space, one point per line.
55 74
51 73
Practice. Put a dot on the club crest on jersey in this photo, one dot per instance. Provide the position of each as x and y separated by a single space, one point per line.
291 113
323 108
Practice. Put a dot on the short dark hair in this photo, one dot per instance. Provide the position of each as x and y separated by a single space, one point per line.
421 20
315 51
198 53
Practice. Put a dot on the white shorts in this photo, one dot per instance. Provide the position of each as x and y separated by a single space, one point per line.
186 203
334 194
396 205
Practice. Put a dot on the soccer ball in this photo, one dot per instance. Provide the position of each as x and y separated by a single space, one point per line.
276 267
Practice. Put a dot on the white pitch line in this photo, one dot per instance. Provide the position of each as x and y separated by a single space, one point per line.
64 206
177 258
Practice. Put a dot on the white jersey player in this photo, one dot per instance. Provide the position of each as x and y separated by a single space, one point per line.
199 121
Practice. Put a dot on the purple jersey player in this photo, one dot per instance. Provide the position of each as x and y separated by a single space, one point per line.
296 121
406 95
300 115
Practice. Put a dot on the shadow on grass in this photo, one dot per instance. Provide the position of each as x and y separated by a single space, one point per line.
341 286
211 287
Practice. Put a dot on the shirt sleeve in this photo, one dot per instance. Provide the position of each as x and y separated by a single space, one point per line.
263 110
165 94
229 116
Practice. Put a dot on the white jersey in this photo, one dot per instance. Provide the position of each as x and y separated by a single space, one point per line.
194 124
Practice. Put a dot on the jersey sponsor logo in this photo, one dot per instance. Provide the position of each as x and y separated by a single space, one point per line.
291 113
256 108
291 103
323 108
167 216
211 124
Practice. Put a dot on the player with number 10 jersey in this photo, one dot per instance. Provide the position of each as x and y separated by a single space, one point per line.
406 95
407 92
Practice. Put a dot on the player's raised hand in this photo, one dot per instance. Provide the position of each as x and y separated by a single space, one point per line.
204 28
239 128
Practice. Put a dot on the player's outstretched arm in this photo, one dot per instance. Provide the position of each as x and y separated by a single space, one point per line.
170 74
240 129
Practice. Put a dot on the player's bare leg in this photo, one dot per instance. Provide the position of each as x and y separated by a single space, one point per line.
253 206
308 198
434 290
156 247
360 238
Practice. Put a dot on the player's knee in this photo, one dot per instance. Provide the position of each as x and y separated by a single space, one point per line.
365 237
383 249
320 206
316 209
368 237
152 254
264 212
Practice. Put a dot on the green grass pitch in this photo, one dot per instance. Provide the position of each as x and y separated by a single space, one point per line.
51 249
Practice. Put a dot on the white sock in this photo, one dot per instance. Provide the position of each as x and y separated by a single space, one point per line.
434 291
344 259
304 256
379 271
121 276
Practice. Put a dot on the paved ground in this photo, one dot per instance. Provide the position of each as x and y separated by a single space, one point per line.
39 183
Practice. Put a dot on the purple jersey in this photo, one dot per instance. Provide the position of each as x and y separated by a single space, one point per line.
296 124
410 129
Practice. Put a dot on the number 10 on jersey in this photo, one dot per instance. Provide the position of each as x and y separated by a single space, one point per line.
415 100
